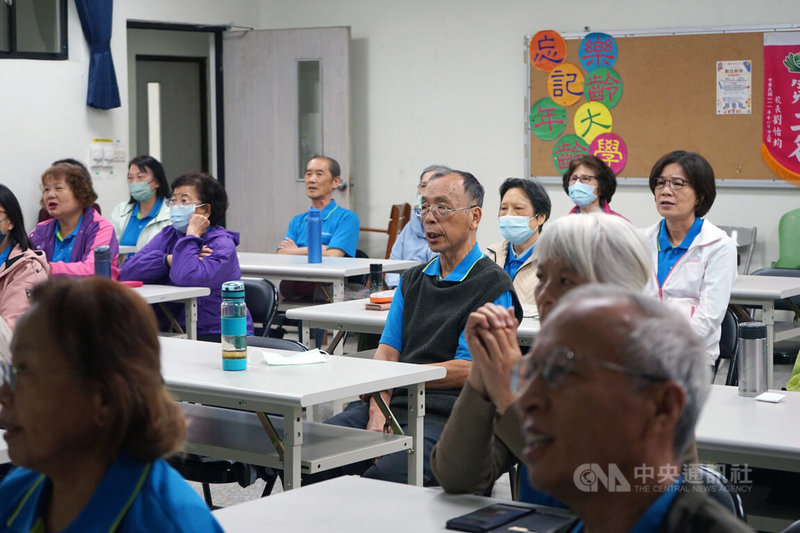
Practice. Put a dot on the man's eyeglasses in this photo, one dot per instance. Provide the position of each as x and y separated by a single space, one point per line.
583 178
439 211
560 360
675 184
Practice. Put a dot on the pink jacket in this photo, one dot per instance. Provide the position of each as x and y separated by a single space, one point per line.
20 272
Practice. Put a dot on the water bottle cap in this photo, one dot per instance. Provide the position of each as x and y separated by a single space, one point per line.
375 267
102 253
752 330
233 289
314 212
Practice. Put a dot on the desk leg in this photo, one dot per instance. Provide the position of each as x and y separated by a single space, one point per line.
338 290
190 316
768 316
293 441
416 416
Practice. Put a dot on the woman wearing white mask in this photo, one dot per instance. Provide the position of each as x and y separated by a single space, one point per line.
146 212
590 184
524 208
195 251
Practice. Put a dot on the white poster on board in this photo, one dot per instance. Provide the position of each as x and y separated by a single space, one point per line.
734 87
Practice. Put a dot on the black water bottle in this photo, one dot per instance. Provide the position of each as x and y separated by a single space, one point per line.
102 261
375 277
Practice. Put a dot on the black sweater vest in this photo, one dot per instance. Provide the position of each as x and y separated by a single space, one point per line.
434 315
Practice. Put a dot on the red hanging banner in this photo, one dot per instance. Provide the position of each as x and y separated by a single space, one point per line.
780 141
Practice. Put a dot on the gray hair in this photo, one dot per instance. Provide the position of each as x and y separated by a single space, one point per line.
660 342
600 247
471 185
438 170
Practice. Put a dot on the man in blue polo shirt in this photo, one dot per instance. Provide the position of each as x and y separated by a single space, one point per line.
339 225
427 318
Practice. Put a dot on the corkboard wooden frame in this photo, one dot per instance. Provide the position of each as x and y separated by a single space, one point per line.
669 102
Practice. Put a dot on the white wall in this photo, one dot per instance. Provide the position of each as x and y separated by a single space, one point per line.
443 82
43 105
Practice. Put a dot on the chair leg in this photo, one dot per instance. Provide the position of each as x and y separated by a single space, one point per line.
207 496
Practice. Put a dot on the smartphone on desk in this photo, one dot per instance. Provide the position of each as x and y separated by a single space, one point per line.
488 518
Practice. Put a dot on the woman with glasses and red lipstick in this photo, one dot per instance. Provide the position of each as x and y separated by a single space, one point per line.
695 261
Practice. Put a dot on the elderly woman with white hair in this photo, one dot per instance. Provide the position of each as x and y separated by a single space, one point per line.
482 438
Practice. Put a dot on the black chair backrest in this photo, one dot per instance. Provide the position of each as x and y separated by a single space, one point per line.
276 344
729 346
718 488
261 299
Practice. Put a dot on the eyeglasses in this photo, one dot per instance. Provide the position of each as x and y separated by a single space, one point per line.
58 187
675 184
8 373
560 360
439 211
583 178
139 178
183 201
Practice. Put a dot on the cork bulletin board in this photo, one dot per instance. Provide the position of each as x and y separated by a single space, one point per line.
669 103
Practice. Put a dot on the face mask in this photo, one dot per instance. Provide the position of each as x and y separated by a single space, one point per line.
3 235
179 216
582 194
515 230
419 199
141 191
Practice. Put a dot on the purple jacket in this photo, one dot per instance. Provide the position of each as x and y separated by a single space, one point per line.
149 266
94 231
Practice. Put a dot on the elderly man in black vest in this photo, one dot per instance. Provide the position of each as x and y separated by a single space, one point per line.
427 318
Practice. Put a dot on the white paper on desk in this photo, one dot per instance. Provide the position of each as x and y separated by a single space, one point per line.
309 357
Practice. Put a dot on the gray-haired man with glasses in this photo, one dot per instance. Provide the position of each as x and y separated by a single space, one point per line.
426 322
611 393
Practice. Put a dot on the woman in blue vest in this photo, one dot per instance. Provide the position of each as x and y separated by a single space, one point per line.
88 420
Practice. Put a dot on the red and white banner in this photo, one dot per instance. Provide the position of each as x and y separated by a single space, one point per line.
780 141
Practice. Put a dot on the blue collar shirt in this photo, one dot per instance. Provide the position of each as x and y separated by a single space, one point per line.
62 250
669 255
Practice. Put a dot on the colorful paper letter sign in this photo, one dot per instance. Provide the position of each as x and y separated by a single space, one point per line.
566 149
592 119
598 50
780 138
547 50
548 119
603 85
565 84
610 148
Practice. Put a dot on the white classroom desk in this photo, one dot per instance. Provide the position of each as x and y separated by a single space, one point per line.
763 291
330 270
739 430
3 448
126 249
154 294
193 372
351 504
352 316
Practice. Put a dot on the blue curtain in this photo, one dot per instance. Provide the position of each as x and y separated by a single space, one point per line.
95 18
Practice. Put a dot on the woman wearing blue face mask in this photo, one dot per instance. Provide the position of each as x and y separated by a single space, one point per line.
524 208
195 251
146 212
590 184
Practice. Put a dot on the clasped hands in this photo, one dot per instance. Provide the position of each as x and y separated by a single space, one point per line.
491 334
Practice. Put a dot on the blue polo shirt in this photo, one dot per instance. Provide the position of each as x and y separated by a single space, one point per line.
514 261
62 250
393 330
340 229
136 223
668 255
652 519
133 496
